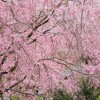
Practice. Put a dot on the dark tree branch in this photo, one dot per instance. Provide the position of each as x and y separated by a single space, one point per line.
17 83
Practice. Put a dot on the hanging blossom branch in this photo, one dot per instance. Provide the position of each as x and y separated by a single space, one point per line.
62 62
53 70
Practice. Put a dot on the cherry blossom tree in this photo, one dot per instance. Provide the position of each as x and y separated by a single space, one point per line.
47 44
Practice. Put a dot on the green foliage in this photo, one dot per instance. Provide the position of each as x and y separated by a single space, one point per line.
61 95
87 90
83 59
14 98
40 98
98 94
